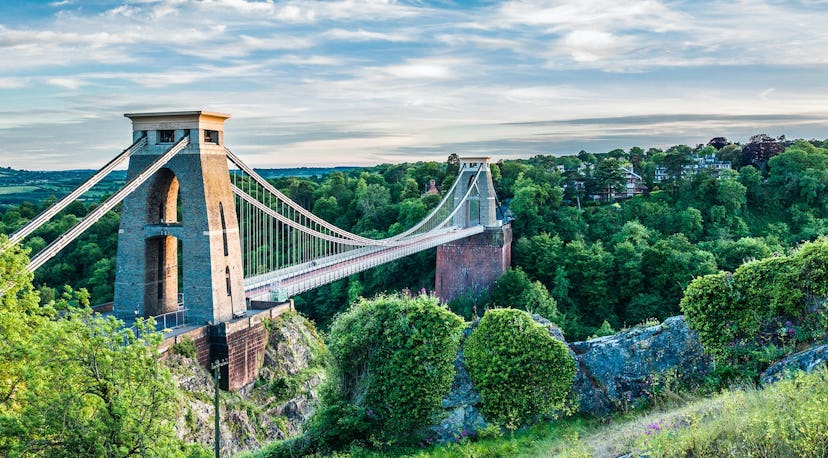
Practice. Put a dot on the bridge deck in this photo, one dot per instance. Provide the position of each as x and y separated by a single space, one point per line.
297 279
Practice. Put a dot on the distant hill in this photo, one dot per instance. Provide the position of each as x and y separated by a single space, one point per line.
17 186
302 172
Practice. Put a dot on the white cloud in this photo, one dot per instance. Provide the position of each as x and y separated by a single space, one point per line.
12 83
456 39
123 10
569 15
364 35
592 45
68 83
427 68
312 60
296 13
241 6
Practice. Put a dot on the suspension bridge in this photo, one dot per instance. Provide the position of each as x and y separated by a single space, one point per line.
203 236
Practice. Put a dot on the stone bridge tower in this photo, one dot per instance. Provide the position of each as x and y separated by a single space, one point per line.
470 266
179 236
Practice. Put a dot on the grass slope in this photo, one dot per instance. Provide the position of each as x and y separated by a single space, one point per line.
787 419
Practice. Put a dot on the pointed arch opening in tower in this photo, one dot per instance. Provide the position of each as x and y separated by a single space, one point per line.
163 199
229 283
163 274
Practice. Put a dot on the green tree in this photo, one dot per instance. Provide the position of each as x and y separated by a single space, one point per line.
586 268
732 153
532 204
732 254
751 179
731 194
669 266
452 165
326 208
371 199
411 189
800 174
515 289
75 383
609 177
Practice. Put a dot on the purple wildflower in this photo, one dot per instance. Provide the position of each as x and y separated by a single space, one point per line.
653 428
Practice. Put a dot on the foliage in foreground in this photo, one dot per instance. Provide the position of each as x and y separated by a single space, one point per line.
392 365
764 310
76 384
787 419
521 372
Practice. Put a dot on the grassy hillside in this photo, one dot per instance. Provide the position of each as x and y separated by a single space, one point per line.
788 419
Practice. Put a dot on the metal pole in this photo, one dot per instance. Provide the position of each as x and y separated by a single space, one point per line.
216 377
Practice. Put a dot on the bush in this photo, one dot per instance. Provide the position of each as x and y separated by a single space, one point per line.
813 262
519 369
185 347
393 362
770 286
762 311
713 308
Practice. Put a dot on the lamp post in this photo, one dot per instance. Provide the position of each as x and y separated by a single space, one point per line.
216 366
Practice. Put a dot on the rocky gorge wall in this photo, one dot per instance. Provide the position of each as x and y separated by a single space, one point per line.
274 407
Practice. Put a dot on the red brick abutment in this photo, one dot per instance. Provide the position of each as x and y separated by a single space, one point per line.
471 266
241 342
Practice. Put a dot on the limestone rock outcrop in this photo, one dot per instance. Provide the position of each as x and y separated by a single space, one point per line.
807 360
461 413
618 371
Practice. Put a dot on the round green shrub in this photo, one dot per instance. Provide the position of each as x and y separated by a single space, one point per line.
519 369
185 347
393 362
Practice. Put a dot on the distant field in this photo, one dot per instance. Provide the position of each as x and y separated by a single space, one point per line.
18 186
17 189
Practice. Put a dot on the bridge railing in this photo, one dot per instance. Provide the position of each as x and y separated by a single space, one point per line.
172 320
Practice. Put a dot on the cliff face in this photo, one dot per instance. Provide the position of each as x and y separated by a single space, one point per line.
613 372
272 408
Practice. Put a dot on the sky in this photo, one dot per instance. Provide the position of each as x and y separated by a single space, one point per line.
362 82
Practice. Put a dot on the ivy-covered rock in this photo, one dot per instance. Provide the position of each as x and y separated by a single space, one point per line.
393 362
764 310
521 372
